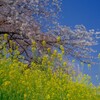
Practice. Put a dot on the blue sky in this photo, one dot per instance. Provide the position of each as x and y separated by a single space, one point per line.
86 12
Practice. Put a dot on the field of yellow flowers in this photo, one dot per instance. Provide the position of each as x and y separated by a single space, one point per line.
43 81
17 82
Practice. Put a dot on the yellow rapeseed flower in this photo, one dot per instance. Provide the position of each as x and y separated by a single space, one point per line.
6 83
5 36
27 71
59 55
11 42
43 43
64 63
34 43
63 52
60 59
11 73
58 39
45 58
10 50
48 97
1 71
49 63
68 95
61 47
89 65
54 53
48 49
73 61
25 95
33 49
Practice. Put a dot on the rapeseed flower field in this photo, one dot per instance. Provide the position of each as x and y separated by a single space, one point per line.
40 82
45 80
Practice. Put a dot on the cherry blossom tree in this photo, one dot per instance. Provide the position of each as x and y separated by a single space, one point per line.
26 21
